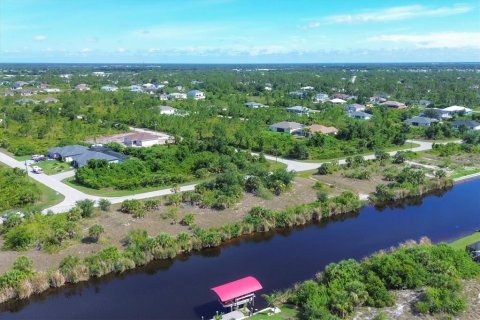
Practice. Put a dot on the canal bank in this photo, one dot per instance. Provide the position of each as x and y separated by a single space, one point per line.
178 288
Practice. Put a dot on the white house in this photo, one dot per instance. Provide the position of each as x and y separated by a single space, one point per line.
298 110
167 110
82 87
135 88
287 127
196 95
176 95
355 107
360 115
457 110
338 101
109 88
51 90
307 88
254 105
320 97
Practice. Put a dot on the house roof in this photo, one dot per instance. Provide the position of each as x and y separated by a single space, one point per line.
237 288
298 109
417 119
322 129
68 151
82 159
466 123
193 92
337 100
287 125
166 108
253 104
474 246
355 106
360 114
393 104
457 109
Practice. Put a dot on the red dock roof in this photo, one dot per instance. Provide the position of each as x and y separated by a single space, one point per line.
237 288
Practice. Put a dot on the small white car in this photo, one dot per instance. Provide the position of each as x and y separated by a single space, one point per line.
37 169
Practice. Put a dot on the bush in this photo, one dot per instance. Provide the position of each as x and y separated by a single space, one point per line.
86 207
436 300
95 231
104 204
327 168
188 220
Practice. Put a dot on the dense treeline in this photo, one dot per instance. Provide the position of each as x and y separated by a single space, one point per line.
16 189
436 269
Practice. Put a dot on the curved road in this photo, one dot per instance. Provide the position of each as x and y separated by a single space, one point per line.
73 195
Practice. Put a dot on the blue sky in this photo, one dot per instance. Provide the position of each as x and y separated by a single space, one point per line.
238 31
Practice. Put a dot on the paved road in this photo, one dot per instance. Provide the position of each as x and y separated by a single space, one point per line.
73 195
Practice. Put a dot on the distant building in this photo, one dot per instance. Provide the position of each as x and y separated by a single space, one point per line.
420 121
25 101
82 87
163 97
457 110
287 127
99 73
196 95
355 107
49 100
298 110
141 139
177 96
136 88
425 103
298 94
320 97
254 105
393 104
468 124
360 115
307 88
338 101
166 110
109 88
51 90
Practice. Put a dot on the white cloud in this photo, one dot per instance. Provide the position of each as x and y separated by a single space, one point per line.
121 50
434 40
85 50
178 32
393 14
40 37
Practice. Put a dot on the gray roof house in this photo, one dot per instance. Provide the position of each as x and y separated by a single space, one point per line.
298 109
420 121
355 107
80 155
254 105
469 124
360 115
437 113
287 127
393 104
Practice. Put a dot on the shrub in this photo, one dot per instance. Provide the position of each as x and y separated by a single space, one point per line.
104 204
86 207
95 231
327 168
188 220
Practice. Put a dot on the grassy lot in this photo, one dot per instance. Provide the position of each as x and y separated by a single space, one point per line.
408 145
21 158
464 172
287 313
465 241
53 166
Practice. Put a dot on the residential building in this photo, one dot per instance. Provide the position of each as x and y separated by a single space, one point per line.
49 100
298 110
141 139
393 104
355 107
196 95
298 94
25 101
166 110
425 103
337 101
287 127
80 155
436 113
320 97
458 110
82 87
109 88
318 128
360 115
376 99
136 88
468 124
420 121
163 97
51 90
307 88
254 105
177 95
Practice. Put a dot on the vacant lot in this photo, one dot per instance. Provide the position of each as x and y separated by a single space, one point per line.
117 224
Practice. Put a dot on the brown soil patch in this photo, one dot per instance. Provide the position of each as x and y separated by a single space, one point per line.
117 224
355 185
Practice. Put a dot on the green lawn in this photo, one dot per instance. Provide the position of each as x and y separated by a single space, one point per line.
287 313
464 172
465 241
53 166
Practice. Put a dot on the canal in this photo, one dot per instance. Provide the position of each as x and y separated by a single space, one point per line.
180 288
